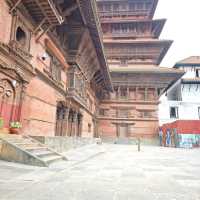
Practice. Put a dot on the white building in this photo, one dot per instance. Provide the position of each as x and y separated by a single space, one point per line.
182 100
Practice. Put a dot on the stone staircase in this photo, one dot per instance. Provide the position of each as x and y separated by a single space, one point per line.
24 149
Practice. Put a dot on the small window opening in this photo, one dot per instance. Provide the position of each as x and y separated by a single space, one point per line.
21 36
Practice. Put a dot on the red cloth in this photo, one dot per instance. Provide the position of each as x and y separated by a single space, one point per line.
183 126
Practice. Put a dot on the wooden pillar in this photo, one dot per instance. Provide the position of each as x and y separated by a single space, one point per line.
65 122
156 93
80 124
118 92
146 94
136 93
70 120
128 92
75 123
118 131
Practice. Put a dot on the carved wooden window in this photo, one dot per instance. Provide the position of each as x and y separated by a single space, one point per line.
140 6
123 94
123 113
147 5
55 68
71 78
21 37
102 112
147 114
116 7
123 62
20 34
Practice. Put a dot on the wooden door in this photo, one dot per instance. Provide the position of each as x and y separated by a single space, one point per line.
123 131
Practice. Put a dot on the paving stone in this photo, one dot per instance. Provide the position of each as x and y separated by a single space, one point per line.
120 173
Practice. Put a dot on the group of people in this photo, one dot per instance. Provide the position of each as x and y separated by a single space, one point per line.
168 139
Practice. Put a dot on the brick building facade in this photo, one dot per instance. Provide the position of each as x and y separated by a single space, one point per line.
52 66
54 76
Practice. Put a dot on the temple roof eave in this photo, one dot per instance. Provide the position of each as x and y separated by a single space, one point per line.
158 23
164 45
94 27
155 3
190 61
152 9
154 69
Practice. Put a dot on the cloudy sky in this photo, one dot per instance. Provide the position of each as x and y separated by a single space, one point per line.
182 26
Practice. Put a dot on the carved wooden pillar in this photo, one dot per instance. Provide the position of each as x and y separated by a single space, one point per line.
70 119
136 93
128 92
80 124
65 122
75 124
118 92
59 117
18 112
146 94
156 93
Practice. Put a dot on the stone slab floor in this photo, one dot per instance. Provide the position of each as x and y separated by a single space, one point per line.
119 173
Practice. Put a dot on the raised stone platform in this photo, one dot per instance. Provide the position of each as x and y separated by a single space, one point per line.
26 150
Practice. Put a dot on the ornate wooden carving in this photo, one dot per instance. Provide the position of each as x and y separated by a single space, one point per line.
12 90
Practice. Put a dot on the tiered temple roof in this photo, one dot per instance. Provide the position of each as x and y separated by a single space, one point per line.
131 40
127 8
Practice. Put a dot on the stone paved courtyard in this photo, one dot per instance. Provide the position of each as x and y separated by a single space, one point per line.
118 172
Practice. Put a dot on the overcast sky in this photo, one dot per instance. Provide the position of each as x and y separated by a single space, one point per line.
182 26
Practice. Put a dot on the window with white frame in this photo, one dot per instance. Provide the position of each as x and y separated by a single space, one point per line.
174 112
197 73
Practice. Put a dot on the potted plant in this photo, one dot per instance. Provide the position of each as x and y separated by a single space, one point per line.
14 127
1 123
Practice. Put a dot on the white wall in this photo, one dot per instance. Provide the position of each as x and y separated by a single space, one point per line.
187 110
190 92
187 104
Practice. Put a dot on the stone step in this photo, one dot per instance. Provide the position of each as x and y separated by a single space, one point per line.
11 136
43 153
20 141
30 151
34 148
50 159
29 145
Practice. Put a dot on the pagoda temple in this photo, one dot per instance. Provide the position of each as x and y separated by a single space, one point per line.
134 52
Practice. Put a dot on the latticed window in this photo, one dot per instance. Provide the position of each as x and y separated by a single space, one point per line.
55 68
123 113
123 94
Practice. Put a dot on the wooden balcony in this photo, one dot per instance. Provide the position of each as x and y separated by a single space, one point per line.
74 94
122 13
40 10
129 34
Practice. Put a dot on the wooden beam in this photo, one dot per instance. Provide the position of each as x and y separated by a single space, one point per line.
15 5
68 11
43 32
39 25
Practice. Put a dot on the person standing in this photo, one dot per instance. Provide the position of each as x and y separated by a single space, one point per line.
168 138
160 136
